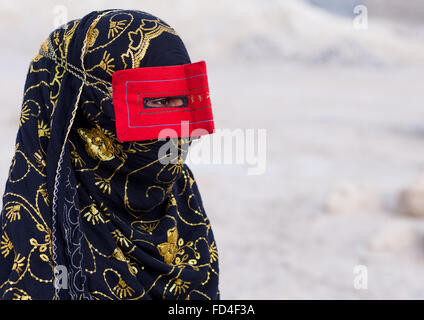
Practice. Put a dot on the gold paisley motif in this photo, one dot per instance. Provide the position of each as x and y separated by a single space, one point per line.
101 145
98 146
67 37
115 27
140 41
179 286
127 23
6 245
168 250
93 33
44 47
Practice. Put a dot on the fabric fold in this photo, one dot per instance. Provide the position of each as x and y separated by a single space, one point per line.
108 218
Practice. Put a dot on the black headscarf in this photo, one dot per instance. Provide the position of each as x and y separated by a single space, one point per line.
77 201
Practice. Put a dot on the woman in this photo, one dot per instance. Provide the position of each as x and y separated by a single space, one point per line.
86 216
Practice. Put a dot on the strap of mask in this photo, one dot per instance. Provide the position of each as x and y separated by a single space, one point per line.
77 72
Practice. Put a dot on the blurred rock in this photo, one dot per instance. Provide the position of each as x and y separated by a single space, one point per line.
411 199
409 12
350 197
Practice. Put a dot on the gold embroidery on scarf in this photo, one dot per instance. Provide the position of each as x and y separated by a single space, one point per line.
119 255
140 41
68 37
44 47
121 289
105 64
168 250
93 33
179 286
176 252
17 296
146 226
120 238
6 245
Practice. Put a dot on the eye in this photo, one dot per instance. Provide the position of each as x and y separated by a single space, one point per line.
160 102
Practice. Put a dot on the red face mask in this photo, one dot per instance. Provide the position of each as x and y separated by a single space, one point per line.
161 102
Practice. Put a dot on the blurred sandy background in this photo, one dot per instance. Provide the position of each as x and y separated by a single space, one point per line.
343 109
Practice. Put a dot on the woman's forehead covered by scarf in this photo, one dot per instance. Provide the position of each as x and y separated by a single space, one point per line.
103 42
119 39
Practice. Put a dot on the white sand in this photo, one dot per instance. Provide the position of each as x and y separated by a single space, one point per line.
340 106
